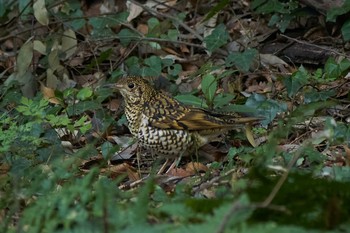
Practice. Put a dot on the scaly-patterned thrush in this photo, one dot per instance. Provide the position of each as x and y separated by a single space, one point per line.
166 126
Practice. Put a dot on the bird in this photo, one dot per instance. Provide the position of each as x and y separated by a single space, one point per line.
166 126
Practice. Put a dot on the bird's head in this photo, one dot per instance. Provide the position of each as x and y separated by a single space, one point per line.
135 90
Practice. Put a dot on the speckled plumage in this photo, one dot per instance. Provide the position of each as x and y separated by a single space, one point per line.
166 126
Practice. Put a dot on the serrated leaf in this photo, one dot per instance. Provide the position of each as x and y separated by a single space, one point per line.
217 38
40 12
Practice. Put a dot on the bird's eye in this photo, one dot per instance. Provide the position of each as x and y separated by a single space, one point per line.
131 85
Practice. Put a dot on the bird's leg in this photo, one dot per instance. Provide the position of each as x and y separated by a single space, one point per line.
161 170
174 164
138 158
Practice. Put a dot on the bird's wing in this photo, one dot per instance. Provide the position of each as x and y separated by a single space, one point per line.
167 113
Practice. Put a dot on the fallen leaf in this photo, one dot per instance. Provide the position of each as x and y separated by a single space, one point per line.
49 94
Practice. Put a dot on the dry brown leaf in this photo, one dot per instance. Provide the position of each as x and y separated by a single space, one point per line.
184 48
121 169
179 172
195 167
142 28
114 104
171 51
347 153
133 175
134 10
49 94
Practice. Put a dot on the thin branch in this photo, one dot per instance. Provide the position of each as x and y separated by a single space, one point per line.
182 24
283 178
316 46
267 202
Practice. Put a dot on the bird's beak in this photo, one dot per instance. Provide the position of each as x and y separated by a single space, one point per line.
117 85
109 85
113 85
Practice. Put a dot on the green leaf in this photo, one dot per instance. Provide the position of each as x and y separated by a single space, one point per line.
40 12
242 61
74 18
218 7
108 21
24 8
296 81
53 60
240 108
190 99
307 110
152 23
266 108
69 43
345 30
217 38
175 69
4 7
24 58
336 11
84 93
281 21
332 69
209 86
153 66
222 99
173 34
315 96
104 55
271 6
344 65
81 107
106 149
39 47
126 36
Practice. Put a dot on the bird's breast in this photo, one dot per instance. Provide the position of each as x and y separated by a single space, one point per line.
166 142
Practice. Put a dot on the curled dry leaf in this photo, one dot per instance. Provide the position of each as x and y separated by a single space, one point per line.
49 94
134 10
196 167
179 172
121 169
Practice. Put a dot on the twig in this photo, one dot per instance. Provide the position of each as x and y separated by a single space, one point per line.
316 46
267 202
185 26
283 178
